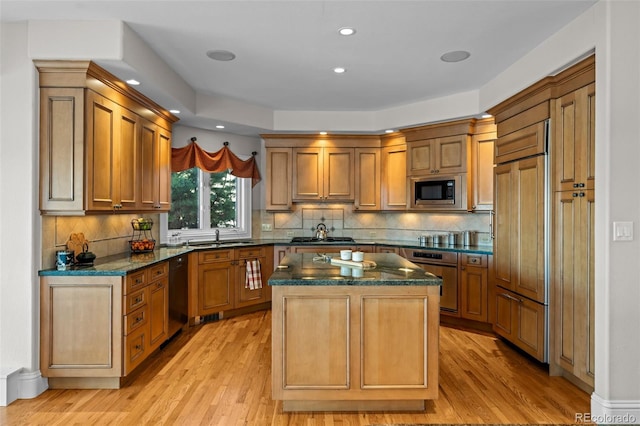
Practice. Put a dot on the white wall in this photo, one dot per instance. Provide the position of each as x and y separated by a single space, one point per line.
19 219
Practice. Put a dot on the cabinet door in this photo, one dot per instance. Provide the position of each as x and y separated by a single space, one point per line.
62 149
307 174
528 223
129 156
394 178
245 296
480 190
473 289
279 179
71 345
103 177
338 174
521 321
158 312
450 154
573 282
421 158
215 287
504 238
367 169
155 168
574 140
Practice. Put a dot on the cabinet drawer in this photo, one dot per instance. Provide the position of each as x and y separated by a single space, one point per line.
136 346
479 260
136 281
251 252
135 320
215 256
135 300
158 271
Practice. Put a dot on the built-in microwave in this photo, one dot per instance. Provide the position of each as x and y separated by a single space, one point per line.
443 192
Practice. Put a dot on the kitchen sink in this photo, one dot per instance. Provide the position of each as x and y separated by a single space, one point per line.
326 240
214 244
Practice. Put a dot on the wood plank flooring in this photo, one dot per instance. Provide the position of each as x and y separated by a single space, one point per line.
219 374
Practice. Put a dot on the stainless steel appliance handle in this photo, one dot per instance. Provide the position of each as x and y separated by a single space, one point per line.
491 214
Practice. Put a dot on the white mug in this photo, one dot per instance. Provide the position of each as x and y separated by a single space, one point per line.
345 254
357 256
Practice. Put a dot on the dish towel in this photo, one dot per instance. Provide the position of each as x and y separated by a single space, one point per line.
254 277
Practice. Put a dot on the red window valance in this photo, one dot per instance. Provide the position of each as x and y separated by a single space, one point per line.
213 162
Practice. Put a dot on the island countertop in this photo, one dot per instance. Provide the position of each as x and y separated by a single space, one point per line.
309 269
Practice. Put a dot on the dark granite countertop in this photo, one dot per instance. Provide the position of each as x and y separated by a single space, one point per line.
125 263
311 269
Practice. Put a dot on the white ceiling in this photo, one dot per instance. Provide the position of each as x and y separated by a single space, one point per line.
286 50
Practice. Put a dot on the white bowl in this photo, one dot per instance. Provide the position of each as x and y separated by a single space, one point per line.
345 254
357 256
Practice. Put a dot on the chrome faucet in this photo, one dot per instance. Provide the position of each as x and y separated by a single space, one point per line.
217 235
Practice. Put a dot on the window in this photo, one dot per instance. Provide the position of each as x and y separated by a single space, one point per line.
202 202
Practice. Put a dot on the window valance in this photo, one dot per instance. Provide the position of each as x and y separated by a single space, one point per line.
194 156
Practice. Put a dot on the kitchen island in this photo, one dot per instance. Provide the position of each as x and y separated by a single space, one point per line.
351 338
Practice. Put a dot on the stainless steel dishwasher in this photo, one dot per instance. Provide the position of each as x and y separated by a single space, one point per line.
444 265
178 293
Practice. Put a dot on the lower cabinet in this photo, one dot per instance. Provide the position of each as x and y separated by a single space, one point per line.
473 287
95 330
222 276
340 347
521 321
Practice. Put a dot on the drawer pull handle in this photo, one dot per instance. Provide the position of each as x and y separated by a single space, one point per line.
138 347
138 319
138 280
515 299
138 300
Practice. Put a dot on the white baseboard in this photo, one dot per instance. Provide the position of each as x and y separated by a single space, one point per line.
16 384
614 411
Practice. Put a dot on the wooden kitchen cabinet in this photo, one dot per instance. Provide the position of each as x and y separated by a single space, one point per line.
521 321
480 176
394 174
573 232
91 142
323 174
245 296
221 278
279 179
367 179
446 155
474 287
216 282
518 247
155 170
96 330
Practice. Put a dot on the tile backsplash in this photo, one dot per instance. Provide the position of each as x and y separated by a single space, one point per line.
341 220
107 234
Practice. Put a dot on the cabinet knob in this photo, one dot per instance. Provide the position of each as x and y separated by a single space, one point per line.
582 194
574 194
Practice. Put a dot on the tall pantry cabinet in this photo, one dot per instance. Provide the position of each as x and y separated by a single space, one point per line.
540 263
573 219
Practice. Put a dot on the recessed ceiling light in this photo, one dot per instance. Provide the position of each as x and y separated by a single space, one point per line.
219 126
174 111
339 70
346 31
389 131
221 55
133 82
455 56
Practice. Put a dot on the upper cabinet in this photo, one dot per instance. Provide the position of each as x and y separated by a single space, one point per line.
323 174
103 146
394 179
279 165
439 148
367 169
480 188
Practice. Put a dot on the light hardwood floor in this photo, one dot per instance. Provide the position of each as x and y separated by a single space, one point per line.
219 374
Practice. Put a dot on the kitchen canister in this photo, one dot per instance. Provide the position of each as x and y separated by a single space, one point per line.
64 259
469 238
453 239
